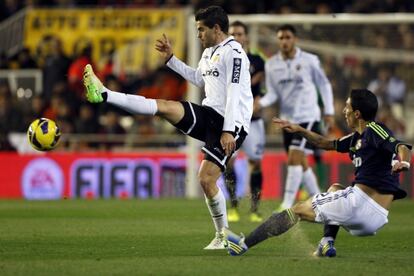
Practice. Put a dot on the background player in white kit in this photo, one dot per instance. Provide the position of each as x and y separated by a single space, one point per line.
254 144
223 119
294 78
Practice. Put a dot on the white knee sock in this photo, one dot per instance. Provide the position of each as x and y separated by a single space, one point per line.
218 212
310 182
293 179
132 103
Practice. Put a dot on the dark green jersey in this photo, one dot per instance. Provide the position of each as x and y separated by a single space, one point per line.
372 153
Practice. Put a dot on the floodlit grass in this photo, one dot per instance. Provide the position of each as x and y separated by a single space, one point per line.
166 237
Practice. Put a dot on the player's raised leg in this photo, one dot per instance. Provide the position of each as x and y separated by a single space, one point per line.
96 92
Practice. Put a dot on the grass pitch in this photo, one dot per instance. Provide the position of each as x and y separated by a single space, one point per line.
166 237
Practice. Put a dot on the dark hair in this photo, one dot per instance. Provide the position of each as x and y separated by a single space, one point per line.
366 102
287 27
213 15
238 23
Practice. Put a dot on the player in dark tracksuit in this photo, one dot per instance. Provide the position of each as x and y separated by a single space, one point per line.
253 145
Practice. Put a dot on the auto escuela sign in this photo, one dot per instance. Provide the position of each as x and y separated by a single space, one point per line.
130 33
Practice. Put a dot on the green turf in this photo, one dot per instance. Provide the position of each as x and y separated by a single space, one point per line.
166 237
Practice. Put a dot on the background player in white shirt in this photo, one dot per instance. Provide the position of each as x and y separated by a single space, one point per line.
294 78
223 119
254 144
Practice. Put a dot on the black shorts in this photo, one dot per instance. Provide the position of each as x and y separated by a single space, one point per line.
296 141
205 124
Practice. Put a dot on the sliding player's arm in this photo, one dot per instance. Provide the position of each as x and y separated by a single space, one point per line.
404 156
312 137
382 138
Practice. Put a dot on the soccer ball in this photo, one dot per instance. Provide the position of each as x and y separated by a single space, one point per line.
43 134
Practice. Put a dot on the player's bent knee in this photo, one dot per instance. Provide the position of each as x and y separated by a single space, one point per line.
304 210
172 111
336 187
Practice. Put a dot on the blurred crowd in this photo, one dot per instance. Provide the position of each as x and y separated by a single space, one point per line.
62 98
9 7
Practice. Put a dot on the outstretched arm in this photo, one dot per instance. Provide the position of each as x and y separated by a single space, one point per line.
404 155
314 138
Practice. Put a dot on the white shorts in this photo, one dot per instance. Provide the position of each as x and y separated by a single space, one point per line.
352 209
254 143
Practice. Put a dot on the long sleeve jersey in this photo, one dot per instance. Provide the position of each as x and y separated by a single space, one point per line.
223 71
295 83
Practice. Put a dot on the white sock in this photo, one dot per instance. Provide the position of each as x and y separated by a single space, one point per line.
325 240
132 103
310 182
218 212
293 179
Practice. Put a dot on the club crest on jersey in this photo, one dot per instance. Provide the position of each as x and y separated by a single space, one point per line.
358 144
235 78
216 58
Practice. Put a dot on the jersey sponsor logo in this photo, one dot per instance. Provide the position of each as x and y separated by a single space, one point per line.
235 78
212 72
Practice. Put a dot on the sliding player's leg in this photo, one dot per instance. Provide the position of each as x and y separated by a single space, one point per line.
275 225
326 246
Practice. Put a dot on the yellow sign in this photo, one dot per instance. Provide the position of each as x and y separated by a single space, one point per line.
130 33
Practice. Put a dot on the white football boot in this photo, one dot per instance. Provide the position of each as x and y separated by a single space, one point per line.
217 243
